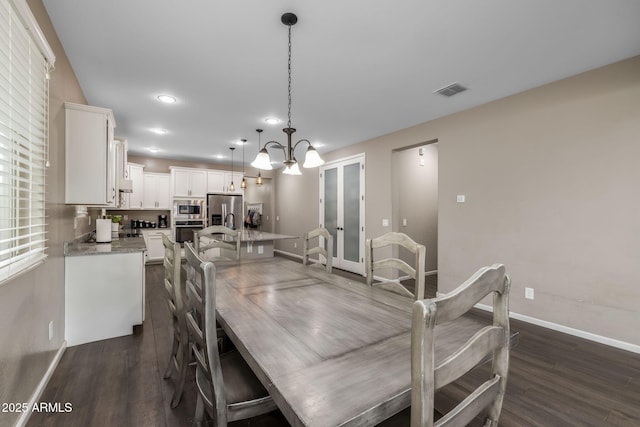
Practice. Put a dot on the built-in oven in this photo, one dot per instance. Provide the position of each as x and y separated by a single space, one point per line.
186 228
188 209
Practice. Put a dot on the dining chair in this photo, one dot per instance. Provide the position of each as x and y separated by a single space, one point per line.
179 358
307 248
227 388
214 243
394 241
491 342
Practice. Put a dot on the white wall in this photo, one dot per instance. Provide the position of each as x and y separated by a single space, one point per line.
550 177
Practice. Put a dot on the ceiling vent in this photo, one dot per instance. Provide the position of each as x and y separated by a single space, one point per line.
451 90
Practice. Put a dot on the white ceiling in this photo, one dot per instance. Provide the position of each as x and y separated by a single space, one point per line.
361 68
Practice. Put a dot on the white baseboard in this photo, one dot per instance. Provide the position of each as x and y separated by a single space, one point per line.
634 348
35 397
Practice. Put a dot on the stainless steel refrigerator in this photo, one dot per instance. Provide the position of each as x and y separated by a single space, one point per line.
225 209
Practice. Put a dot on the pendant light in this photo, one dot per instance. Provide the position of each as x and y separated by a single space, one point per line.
231 186
312 158
243 184
259 178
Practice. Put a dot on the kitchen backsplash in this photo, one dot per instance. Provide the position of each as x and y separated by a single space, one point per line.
128 215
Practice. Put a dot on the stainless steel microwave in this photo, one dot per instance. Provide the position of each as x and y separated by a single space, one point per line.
188 209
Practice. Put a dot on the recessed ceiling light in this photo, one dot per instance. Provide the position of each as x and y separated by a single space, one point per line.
168 99
272 120
219 156
159 131
153 150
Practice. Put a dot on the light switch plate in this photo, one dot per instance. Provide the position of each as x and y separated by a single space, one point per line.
385 222
460 198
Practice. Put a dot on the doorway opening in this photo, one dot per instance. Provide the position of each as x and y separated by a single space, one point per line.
415 203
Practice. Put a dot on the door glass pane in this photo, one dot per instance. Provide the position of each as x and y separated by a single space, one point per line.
351 177
331 205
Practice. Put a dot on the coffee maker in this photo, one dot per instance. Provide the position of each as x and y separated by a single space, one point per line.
135 225
162 221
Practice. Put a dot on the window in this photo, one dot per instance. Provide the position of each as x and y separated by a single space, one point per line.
25 59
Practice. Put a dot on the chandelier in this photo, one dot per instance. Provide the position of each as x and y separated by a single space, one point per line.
312 158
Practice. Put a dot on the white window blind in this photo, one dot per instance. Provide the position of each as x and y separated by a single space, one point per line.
24 106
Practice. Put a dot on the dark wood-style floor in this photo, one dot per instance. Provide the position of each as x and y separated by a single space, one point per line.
554 379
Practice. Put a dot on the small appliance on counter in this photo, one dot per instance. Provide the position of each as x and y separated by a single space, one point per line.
134 232
162 221
103 230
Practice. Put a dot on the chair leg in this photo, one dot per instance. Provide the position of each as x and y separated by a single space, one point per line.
183 363
199 417
174 351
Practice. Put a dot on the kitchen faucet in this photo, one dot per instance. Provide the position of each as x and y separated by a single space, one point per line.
233 221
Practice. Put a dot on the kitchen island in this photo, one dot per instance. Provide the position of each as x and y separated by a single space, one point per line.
104 289
254 244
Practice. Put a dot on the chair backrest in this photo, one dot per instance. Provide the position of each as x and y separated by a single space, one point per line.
171 263
174 286
308 249
415 272
217 236
429 375
200 316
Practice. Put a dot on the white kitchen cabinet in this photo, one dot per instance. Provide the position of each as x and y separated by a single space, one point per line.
135 174
236 177
90 156
156 191
219 181
104 296
189 182
153 241
121 148
215 181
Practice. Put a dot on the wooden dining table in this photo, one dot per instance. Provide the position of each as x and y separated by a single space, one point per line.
331 351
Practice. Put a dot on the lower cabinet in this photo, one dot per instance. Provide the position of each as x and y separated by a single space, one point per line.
104 296
153 241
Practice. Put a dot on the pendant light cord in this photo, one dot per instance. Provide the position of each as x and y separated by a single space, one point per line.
289 70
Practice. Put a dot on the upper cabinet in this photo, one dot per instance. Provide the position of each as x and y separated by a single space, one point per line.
189 182
121 171
215 181
156 192
133 200
90 156
236 178
220 181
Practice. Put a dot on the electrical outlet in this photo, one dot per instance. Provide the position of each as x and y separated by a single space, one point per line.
528 293
295 245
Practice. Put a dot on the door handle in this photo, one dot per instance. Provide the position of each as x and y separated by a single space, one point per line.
340 228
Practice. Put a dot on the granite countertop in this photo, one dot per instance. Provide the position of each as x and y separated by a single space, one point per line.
254 236
80 246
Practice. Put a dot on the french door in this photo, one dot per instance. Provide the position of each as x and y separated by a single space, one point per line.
342 187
